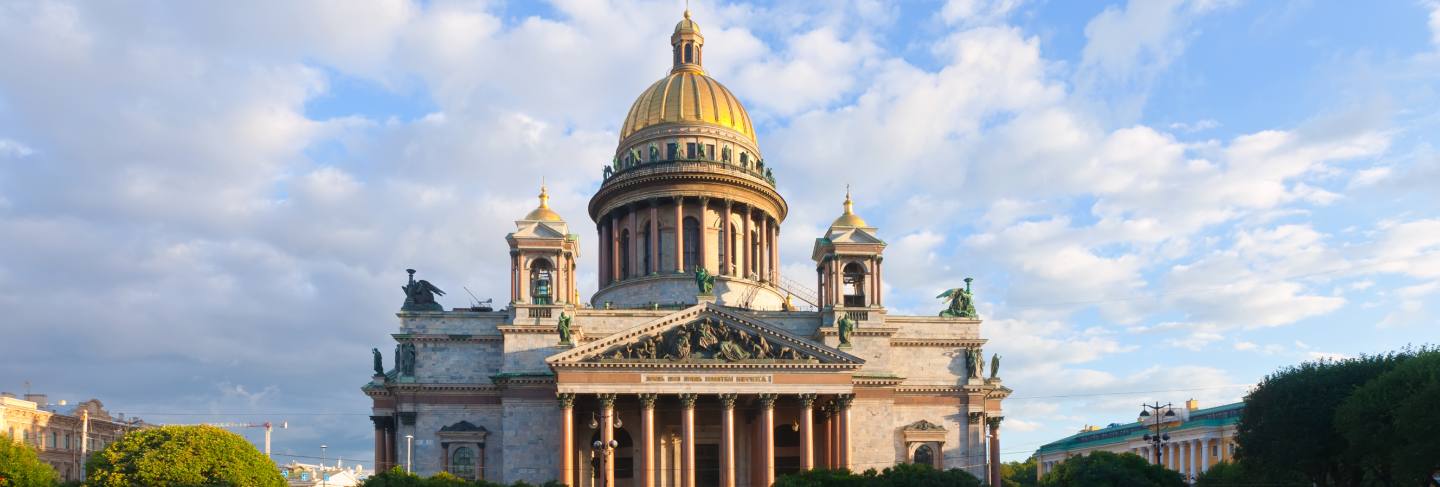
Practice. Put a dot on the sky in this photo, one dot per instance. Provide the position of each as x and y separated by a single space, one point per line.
206 208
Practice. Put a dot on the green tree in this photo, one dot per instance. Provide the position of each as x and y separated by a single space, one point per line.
397 477
1101 468
1018 474
182 456
1228 474
21 467
902 475
1289 420
1390 424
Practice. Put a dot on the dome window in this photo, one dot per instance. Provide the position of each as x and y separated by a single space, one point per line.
672 151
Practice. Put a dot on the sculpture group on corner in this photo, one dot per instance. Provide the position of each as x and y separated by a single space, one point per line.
702 340
962 302
420 295
704 281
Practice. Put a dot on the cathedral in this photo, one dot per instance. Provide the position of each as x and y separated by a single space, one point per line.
695 363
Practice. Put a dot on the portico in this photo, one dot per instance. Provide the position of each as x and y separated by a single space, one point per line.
704 397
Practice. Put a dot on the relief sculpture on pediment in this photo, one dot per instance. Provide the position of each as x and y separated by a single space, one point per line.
700 341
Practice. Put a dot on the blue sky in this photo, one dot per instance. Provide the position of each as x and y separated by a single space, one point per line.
207 207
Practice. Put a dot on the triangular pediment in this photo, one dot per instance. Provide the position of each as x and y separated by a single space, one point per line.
704 334
537 229
855 235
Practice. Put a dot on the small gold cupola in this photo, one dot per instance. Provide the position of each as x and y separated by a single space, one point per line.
849 218
543 213
686 43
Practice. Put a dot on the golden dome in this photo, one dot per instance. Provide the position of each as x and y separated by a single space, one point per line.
543 212
849 218
687 95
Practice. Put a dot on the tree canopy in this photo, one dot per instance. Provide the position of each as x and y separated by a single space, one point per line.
397 477
902 475
1018 474
21 467
1289 422
182 456
1390 423
1104 468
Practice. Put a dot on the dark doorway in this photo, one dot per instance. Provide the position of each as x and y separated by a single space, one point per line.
707 465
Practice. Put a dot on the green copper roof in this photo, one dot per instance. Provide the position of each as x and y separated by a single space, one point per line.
1122 433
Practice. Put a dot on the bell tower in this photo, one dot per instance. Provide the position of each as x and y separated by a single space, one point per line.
847 264
542 258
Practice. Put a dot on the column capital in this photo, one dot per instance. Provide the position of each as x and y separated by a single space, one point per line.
807 400
647 401
679 199
767 401
688 400
994 422
843 401
566 399
607 401
727 400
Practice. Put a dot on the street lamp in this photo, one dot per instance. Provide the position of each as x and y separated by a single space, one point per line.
1158 439
322 464
598 462
409 439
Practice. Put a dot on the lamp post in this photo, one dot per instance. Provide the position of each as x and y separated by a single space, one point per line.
322 464
1158 439
409 439
598 462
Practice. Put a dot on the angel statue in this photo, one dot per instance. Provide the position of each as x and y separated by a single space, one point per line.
704 281
994 365
420 295
379 368
962 303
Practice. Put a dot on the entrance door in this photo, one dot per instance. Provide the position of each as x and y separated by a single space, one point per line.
707 465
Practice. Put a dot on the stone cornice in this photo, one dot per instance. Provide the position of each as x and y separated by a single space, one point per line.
532 330
861 331
613 193
439 337
937 342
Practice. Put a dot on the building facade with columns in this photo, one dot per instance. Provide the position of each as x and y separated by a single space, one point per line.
695 363
1195 439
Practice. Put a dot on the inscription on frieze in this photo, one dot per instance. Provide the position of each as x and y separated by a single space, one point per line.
706 379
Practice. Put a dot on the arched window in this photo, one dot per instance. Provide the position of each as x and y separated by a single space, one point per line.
733 250
689 52
625 253
645 247
924 456
542 282
462 462
754 253
854 284
692 243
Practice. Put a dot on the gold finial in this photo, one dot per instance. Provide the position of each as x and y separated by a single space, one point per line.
544 196
687 9
849 218
848 204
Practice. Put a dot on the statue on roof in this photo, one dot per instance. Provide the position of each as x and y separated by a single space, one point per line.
962 302
563 328
420 295
844 327
704 281
994 365
977 362
379 362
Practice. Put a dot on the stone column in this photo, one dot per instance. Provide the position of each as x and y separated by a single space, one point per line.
632 252
1204 456
827 442
767 438
687 442
775 252
727 440
745 245
995 450
679 234
879 264
614 248
647 441
380 458
764 256
844 414
607 433
725 248
654 236
807 432
702 249
1187 464
567 438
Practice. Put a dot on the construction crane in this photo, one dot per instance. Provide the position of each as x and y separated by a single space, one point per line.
267 425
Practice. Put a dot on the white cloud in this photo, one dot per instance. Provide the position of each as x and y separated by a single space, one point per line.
10 148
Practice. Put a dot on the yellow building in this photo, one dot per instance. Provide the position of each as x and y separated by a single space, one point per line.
60 438
1195 439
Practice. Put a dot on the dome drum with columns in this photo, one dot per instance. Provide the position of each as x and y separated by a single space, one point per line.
688 190
650 382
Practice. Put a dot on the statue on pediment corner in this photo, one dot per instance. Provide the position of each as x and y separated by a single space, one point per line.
961 302
379 362
844 327
420 295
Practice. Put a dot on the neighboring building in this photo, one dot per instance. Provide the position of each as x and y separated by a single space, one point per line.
1198 439
58 434
729 387
309 475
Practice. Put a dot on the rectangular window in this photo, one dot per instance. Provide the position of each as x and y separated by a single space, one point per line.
690 150
54 439
672 151
710 151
